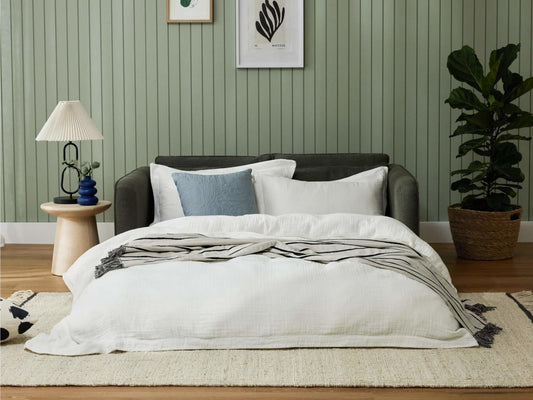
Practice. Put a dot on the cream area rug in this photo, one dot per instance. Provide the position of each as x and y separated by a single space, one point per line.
509 363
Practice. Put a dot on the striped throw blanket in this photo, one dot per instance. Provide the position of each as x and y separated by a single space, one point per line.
382 254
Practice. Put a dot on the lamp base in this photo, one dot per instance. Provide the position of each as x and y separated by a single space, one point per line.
65 200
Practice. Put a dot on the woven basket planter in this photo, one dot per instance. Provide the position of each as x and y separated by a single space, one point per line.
484 235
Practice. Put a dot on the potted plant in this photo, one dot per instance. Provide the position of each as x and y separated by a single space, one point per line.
485 224
87 185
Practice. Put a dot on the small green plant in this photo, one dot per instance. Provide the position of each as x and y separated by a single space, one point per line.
492 181
86 168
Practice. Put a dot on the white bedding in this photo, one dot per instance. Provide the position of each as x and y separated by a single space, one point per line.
254 301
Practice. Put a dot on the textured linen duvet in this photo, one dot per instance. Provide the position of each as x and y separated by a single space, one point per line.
254 301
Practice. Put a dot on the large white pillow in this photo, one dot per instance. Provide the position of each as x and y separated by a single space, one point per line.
167 204
363 193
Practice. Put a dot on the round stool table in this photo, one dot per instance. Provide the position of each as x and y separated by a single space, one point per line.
75 231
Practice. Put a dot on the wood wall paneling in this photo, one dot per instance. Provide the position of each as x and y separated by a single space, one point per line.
374 81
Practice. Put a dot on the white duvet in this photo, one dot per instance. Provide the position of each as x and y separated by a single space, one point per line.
253 301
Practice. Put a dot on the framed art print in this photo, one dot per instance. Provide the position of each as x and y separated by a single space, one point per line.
189 11
270 33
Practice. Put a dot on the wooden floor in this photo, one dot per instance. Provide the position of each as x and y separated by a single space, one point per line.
28 267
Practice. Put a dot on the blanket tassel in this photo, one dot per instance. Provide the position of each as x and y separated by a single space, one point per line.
485 337
111 262
478 308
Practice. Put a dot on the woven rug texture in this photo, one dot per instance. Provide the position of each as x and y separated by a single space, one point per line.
509 363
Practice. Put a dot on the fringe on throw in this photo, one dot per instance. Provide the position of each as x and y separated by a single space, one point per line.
485 337
478 308
111 262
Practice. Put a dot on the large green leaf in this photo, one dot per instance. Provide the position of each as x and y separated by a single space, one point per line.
474 166
498 202
463 182
500 60
470 129
471 144
480 177
460 183
520 90
524 121
477 165
464 99
506 153
511 80
465 185
492 77
462 172
481 152
510 108
481 119
508 136
512 174
464 65
507 190
509 185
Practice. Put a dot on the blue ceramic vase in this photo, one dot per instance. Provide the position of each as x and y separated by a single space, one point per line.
87 192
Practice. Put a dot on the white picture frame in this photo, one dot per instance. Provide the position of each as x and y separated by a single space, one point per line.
270 33
189 11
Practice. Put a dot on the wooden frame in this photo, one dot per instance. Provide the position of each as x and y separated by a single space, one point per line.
178 14
263 42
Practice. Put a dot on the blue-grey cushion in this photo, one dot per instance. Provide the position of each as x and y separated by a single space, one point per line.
226 194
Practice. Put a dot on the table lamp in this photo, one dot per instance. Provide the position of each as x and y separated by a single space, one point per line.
68 122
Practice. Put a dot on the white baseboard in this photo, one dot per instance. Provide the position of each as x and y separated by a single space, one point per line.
43 232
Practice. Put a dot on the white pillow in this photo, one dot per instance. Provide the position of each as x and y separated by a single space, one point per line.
167 204
363 193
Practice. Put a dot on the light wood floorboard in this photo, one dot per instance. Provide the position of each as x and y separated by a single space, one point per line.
28 267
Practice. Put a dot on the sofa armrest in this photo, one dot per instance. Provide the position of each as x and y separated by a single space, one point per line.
403 197
134 200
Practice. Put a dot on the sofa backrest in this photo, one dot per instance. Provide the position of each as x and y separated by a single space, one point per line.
192 163
328 167
134 202
309 167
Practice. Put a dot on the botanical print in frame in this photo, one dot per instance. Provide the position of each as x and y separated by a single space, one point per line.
270 33
189 11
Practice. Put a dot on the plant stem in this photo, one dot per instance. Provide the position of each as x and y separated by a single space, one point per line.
493 135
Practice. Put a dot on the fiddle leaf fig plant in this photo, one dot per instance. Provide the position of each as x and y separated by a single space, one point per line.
491 117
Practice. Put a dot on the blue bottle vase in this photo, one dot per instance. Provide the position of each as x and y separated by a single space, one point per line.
87 192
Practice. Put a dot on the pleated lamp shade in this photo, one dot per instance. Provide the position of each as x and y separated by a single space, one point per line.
69 122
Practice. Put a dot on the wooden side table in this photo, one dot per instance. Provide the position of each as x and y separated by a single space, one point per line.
75 231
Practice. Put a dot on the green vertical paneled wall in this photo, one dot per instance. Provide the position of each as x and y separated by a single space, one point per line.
374 81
